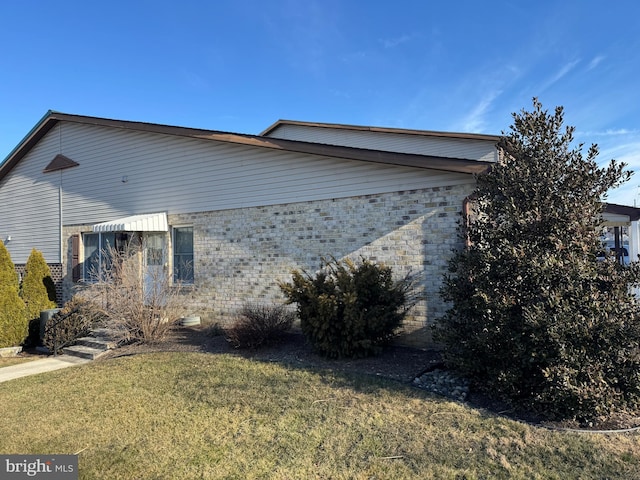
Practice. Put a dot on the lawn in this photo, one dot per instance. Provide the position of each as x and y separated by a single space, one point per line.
193 415
8 361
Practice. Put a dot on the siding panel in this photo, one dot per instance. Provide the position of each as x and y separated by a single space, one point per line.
392 142
173 174
29 207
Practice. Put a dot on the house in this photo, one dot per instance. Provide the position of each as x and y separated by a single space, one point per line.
231 214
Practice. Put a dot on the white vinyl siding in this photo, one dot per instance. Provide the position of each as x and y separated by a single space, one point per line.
472 149
176 175
29 209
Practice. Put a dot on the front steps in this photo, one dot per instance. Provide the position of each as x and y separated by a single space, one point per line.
91 347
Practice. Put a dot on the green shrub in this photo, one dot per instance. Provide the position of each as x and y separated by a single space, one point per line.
37 290
349 310
534 317
13 320
259 325
74 320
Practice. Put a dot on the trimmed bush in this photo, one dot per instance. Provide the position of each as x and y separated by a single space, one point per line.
349 310
38 293
37 290
13 321
259 325
75 320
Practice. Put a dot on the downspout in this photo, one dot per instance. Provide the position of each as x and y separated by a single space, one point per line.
634 247
60 217
467 211
60 197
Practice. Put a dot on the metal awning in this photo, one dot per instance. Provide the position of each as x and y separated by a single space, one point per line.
149 222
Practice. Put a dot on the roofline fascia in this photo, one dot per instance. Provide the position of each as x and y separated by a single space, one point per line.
405 131
614 208
51 118
23 142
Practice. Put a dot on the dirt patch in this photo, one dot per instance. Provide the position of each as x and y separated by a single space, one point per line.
395 362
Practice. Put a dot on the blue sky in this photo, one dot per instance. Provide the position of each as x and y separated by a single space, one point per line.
240 65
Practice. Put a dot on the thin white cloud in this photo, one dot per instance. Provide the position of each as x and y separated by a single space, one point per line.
595 62
628 153
394 42
475 120
195 80
559 74
611 132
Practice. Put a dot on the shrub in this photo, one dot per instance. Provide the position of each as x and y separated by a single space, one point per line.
13 320
215 330
259 325
135 311
349 310
535 318
37 290
74 320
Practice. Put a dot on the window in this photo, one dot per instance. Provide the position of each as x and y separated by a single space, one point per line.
96 252
183 254
154 249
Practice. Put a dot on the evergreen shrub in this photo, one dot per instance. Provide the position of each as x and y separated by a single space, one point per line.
349 309
535 318
13 320
37 289
38 293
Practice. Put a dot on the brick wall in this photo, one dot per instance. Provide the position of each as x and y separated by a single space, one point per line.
241 254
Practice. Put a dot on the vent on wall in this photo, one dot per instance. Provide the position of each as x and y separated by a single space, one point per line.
59 162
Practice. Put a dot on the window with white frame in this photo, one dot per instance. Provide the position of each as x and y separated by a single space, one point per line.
183 254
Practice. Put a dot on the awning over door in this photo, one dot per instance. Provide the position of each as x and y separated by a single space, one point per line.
149 222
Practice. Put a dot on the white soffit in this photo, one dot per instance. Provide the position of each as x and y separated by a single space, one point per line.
149 222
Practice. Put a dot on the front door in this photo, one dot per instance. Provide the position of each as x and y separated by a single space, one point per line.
155 272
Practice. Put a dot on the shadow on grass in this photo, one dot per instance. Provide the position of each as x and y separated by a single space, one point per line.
401 364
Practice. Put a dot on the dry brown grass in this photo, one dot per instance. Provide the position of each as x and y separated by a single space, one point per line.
190 415
8 361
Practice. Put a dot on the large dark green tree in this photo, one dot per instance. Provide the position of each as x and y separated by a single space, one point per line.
535 317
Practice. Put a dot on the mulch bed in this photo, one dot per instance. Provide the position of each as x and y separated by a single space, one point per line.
396 362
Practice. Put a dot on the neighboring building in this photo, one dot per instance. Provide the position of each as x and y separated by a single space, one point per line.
232 214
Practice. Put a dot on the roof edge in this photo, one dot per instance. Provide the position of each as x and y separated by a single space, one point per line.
51 118
632 212
26 139
405 131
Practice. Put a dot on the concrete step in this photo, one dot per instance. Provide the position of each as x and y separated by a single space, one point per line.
103 332
100 343
82 351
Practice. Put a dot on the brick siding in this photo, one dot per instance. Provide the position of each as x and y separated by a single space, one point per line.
241 254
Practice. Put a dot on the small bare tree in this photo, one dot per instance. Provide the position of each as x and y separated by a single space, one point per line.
140 305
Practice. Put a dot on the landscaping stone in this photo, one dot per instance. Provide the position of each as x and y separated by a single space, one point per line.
443 383
10 351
